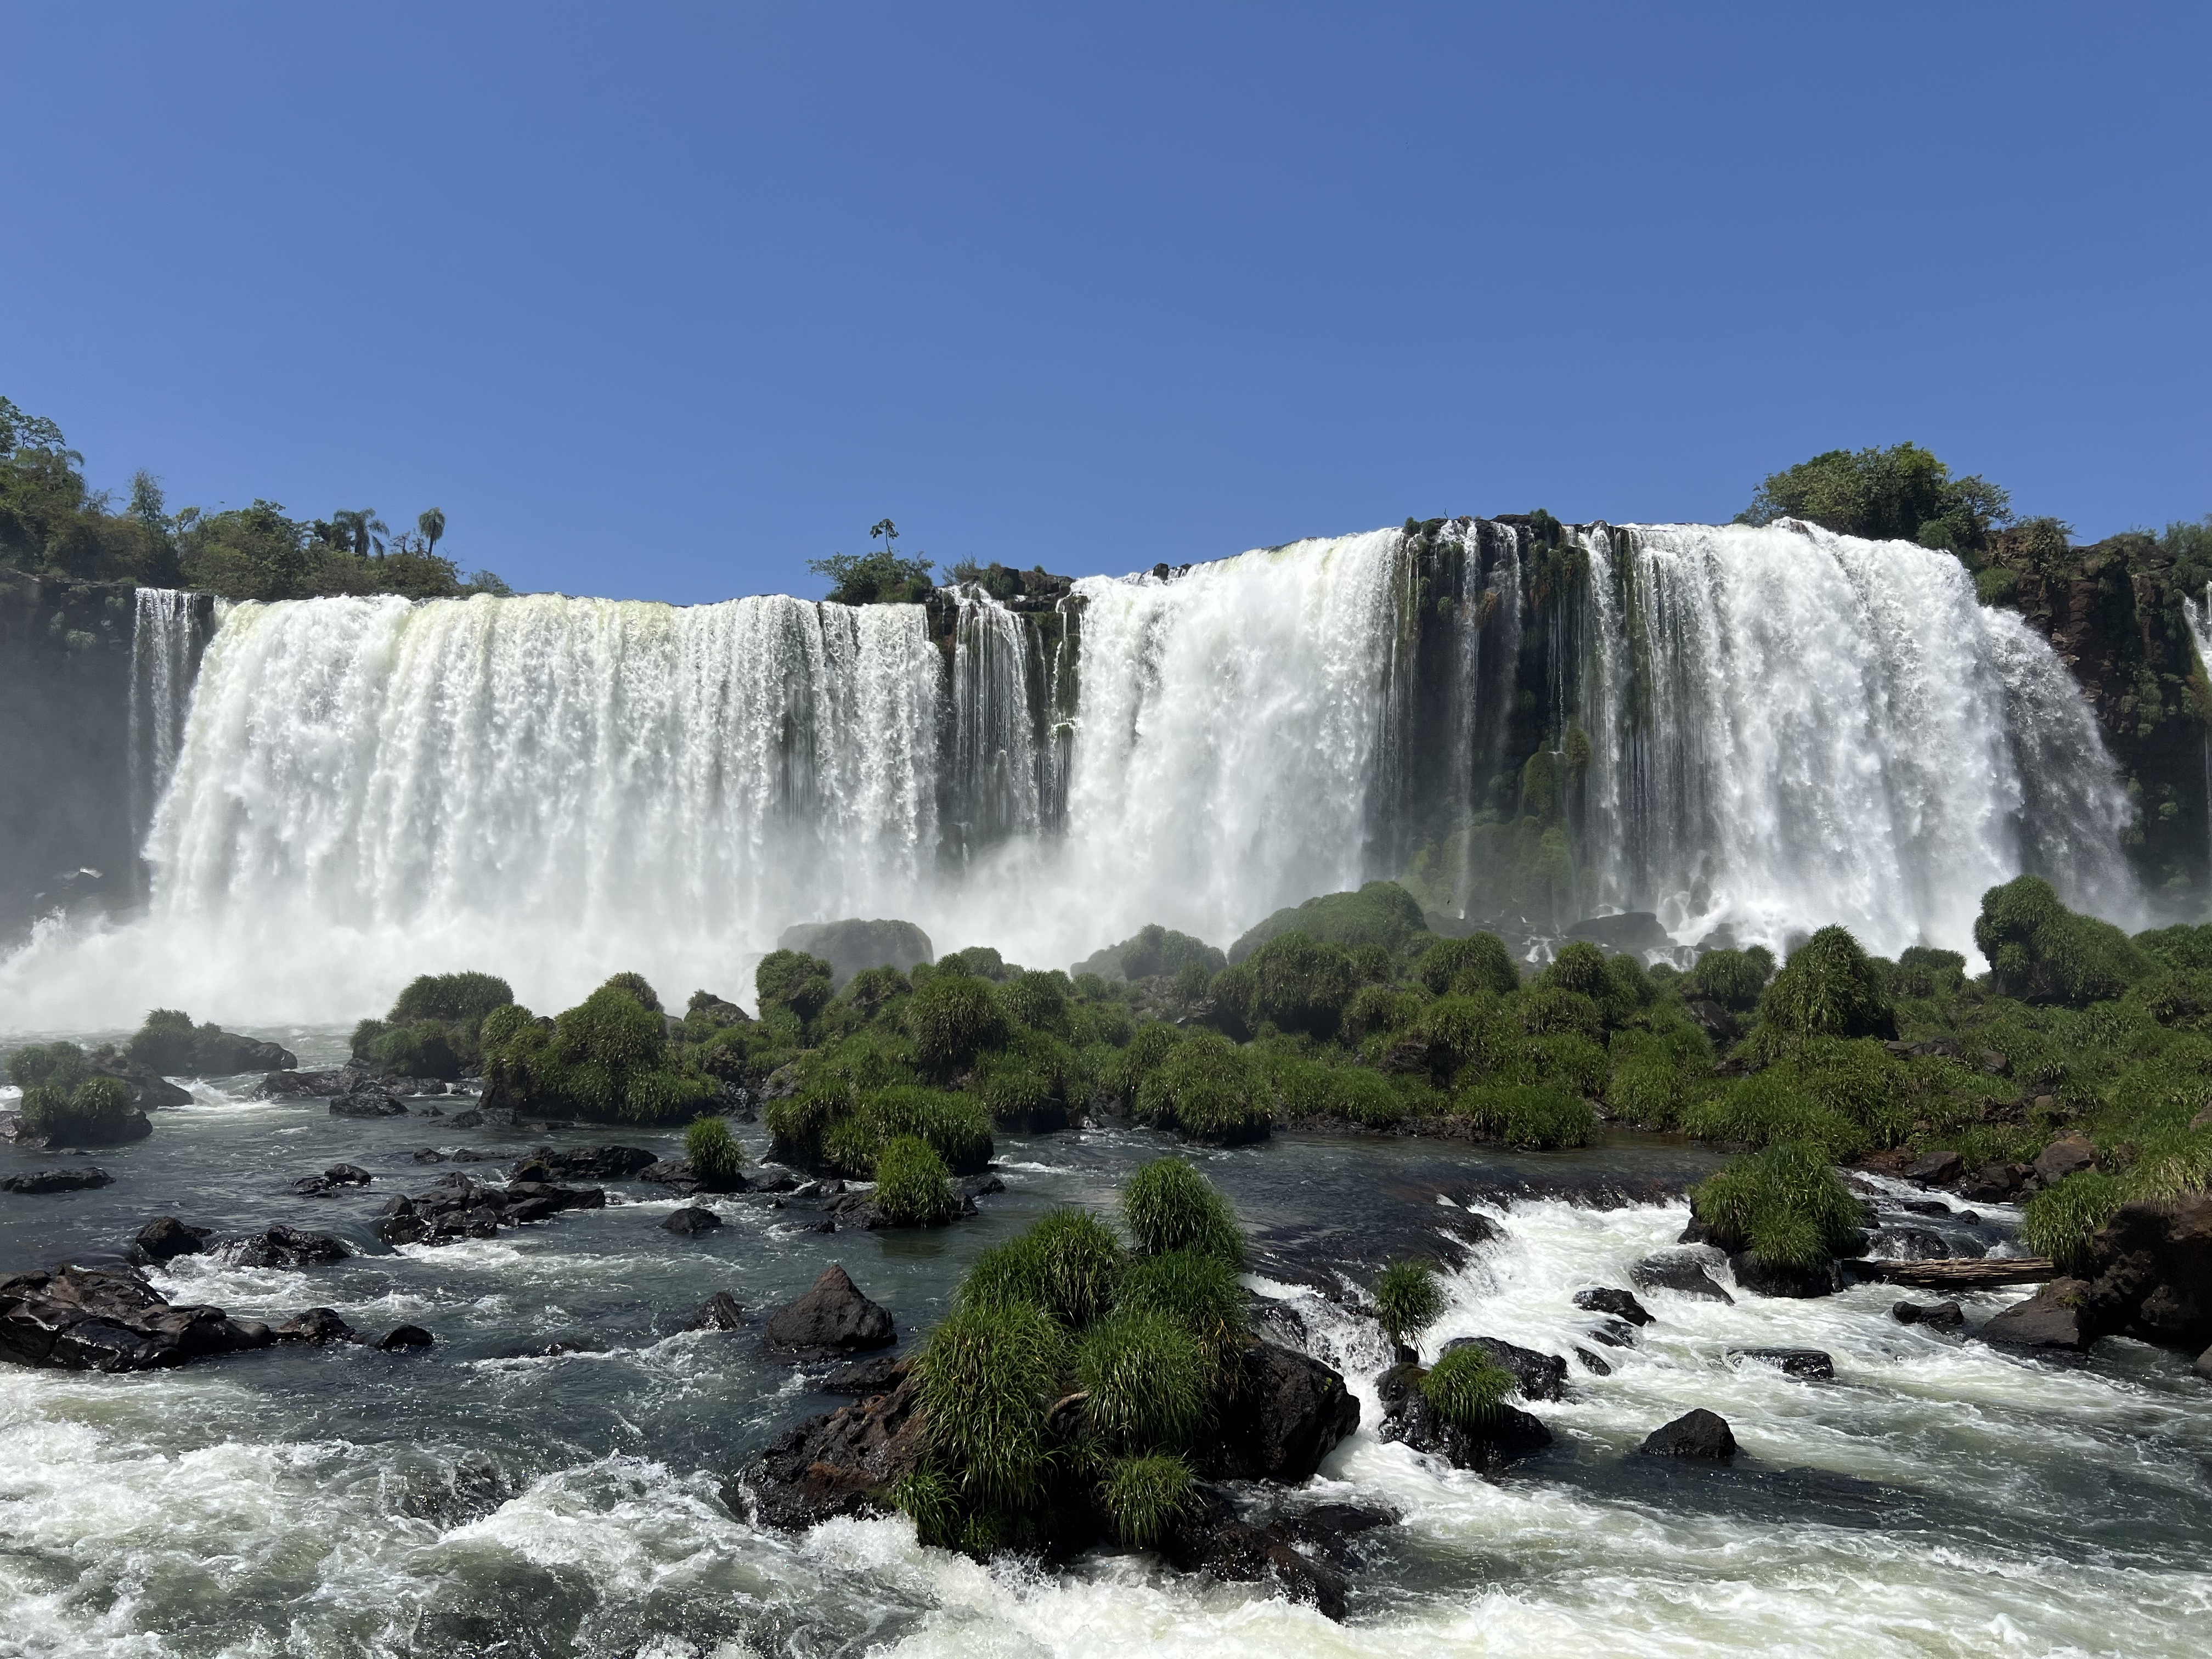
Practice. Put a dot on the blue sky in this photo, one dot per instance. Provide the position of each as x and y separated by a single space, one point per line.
662 300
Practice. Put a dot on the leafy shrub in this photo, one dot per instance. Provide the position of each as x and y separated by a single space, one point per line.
1469 966
1829 988
465 998
2181 948
712 1151
164 1044
2040 951
1169 1206
1734 979
1468 1386
1379 1008
1069 1264
99 1111
1036 999
1649 1091
423 1048
1142 1496
2060 1221
1579 967
1154 950
1566 1061
986 1379
953 1125
912 1185
1206 1088
1467 1033
1767 1107
1550 1009
1147 1380
1150 1045
1367 1099
1785 1205
950 1017
607 1058
793 980
1923 971
1407 1301
52 1065
1529 1116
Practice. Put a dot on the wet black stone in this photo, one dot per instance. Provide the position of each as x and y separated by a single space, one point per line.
1621 1304
404 1336
1701 1435
1813 1364
689 1221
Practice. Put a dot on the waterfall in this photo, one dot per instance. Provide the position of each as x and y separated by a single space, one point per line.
167 636
1796 728
1769 729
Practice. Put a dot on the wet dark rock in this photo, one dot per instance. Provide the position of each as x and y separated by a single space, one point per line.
674 1173
404 1336
973 1187
468 1120
286 1084
1936 1169
832 1319
1680 1270
316 1326
366 1105
1408 1417
1702 1436
1541 1375
1292 1413
456 1206
863 1378
164 1239
584 1164
60 1178
1995 1182
1911 1244
430 1155
1209 1537
839 1463
347 1175
558 1348
2150 1273
1924 1207
1592 1364
1813 1364
2203 1366
2052 1318
109 1319
284 1246
719 1312
1621 1304
691 1221
1615 1334
470 1155
774 1179
2068 1155
1940 1315
149 1091
534 1200
1763 1278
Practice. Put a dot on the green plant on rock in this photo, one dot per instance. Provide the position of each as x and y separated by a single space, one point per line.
1469 966
1407 1301
59 1066
97 1111
986 1377
1734 979
2040 951
712 1151
1829 988
1036 1000
913 1186
1142 1496
1550 1009
1201 1294
1533 1116
1468 1034
2060 1221
1169 1206
1786 1205
1069 1264
608 1059
950 1017
1468 1386
1145 1379
1380 913
795 981
1207 1088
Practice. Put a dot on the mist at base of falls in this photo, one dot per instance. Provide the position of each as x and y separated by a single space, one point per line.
1785 728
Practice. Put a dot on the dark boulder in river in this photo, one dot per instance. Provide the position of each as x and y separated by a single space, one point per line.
1509 1435
832 1318
1814 1364
366 1105
719 1312
164 1239
2051 1318
584 1164
1763 1278
1680 1271
692 1220
1942 1315
839 1463
2150 1275
1621 1304
284 1246
69 1178
1538 1375
149 1090
1702 1436
316 1326
109 1319
1292 1413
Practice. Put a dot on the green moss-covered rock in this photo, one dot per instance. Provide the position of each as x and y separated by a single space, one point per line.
1380 913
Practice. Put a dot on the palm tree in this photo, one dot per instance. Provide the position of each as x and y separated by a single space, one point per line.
432 524
362 528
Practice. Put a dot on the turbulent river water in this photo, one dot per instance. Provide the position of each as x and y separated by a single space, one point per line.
1937 1497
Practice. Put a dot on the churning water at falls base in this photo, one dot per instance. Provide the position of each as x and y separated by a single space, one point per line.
1936 1499
1762 731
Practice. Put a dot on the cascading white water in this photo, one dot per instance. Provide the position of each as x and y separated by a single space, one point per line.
165 640
1791 727
1787 728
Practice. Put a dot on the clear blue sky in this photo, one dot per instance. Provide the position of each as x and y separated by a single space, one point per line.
661 300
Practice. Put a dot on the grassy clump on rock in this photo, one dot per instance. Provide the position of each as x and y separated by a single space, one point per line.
1785 1205
913 1186
607 1059
1468 1386
436 1026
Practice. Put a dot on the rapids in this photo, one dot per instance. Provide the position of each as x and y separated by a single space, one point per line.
1938 1498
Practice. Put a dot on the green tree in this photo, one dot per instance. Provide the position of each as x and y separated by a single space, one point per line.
1903 493
879 576
431 521
361 530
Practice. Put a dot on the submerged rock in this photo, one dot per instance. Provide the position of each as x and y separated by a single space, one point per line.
316 1326
459 1208
692 1220
109 1319
863 1378
404 1336
832 1318
1621 1304
1592 1364
1763 1278
1813 1364
1701 1435
1942 1315
1210 1536
366 1105
164 1239
62 1178
1510 1435
583 1163
719 1312
1680 1270
149 1091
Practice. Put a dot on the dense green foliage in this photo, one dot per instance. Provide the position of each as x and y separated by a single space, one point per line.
713 1152
1899 494
913 1186
1380 913
53 523
607 1059
1407 1300
879 576
436 1026
170 1044
1786 1206
2040 952
1075 1384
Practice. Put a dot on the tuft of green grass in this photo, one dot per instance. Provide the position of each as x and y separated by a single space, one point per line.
1145 1379
712 1151
1529 1115
1785 1205
1142 1496
987 1378
1407 1301
1169 1206
913 1186
1467 1387
1199 1292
